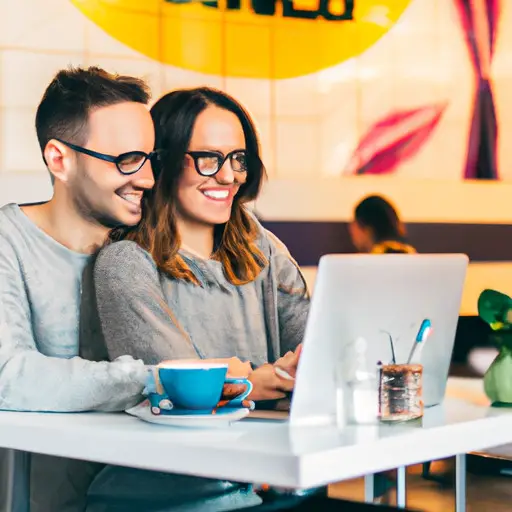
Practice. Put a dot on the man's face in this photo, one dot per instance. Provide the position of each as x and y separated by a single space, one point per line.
99 191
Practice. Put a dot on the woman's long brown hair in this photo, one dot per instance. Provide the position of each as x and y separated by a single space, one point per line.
174 116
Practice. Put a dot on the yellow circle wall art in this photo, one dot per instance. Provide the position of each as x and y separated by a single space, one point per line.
268 39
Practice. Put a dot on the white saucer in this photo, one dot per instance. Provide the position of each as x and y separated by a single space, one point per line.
222 418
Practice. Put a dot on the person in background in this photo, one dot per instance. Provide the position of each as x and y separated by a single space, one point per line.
377 229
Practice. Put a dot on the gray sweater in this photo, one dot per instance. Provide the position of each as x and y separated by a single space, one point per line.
136 310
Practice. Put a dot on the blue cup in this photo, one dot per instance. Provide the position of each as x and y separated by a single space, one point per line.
195 388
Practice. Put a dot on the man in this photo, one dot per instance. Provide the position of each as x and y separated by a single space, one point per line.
97 140
45 247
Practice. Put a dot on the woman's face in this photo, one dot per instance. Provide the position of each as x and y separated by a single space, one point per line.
208 199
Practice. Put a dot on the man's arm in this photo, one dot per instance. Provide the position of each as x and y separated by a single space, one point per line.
31 381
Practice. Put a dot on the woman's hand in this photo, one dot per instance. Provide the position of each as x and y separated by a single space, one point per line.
237 368
290 361
267 385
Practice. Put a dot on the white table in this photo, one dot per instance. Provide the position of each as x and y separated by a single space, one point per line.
266 452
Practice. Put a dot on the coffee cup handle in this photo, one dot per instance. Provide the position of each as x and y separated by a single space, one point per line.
240 398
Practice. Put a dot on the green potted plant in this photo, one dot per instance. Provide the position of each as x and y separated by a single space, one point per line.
495 308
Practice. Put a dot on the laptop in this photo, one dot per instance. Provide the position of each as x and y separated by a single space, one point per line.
375 298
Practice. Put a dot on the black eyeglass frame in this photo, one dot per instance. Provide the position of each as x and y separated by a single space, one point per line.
113 159
221 160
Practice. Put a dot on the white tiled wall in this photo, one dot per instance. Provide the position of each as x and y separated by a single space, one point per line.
309 125
52 25
20 150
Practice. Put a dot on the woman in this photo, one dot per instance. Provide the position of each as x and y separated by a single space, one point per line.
199 277
377 229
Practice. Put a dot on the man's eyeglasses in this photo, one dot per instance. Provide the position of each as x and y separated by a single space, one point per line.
126 163
209 163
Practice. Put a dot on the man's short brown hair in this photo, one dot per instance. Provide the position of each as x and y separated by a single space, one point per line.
73 93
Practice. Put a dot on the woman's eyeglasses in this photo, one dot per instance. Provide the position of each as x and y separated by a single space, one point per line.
126 163
209 163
